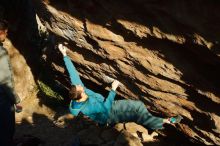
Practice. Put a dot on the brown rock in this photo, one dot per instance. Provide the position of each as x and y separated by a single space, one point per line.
109 134
23 77
127 139
90 136
159 52
166 53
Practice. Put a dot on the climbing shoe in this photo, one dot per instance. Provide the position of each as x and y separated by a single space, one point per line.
175 119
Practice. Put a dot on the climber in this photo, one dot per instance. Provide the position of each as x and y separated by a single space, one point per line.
107 111
8 98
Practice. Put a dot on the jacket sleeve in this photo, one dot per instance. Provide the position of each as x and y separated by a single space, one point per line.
73 111
109 100
74 76
7 77
94 94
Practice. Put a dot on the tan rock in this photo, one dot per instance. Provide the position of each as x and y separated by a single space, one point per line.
23 77
125 138
165 54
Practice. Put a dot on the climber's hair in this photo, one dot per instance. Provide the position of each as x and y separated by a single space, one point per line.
3 24
73 93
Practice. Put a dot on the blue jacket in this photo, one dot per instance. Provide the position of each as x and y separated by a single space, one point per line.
96 106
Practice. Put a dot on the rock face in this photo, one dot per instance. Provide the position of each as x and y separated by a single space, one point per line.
23 77
120 135
164 53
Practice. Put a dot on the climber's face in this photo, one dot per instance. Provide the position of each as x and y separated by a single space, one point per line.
81 91
3 35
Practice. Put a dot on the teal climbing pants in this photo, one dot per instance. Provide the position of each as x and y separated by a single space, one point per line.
133 111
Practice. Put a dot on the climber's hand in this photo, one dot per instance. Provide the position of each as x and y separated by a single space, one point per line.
115 84
62 49
18 108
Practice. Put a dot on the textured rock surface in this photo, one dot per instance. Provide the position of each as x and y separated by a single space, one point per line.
126 138
23 77
165 53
